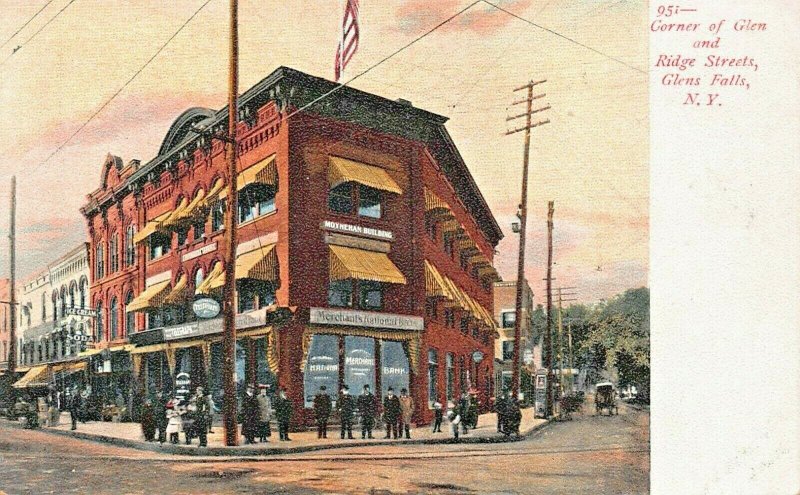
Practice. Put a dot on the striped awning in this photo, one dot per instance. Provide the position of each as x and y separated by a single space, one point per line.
347 262
186 215
467 246
151 227
37 376
263 172
180 293
452 226
205 286
150 298
488 272
213 195
479 260
434 202
170 221
342 170
434 284
258 264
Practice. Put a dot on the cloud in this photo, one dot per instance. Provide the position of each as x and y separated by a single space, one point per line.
416 16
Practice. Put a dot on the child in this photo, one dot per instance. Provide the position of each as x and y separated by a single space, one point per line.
174 421
454 418
437 417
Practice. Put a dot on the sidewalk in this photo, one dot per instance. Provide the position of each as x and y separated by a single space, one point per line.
130 435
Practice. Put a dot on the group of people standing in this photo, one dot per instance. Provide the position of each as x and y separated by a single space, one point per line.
258 411
397 411
165 419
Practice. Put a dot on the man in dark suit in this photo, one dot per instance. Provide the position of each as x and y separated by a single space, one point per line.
347 406
366 407
391 413
322 411
283 413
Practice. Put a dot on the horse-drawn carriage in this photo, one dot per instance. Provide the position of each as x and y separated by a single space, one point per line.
605 398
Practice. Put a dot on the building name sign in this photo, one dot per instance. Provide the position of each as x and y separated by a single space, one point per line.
347 317
357 230
257 318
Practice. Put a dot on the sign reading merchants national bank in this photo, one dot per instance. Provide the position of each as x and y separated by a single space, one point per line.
348 317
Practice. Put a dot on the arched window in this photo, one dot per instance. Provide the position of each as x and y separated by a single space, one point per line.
63 301
98 332
198 277
130 317
113 253
72 294
44 307
83 289
113 319
55 305
99 259
130 246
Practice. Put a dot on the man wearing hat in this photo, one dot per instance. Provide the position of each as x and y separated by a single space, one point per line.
391 413
264 413
283 413
322 411
366 406
346 406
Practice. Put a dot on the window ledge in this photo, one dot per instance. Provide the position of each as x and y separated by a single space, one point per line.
253 220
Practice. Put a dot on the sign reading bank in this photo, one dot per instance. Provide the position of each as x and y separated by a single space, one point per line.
348 317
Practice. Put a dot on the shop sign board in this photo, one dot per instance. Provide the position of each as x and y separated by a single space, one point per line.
81 312
347 317
206 308
361 230
182 383
205 327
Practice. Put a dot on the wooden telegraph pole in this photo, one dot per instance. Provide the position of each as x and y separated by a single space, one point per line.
12 335
547 340
515 377
229 287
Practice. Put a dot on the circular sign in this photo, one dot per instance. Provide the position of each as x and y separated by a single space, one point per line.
206 307
477 356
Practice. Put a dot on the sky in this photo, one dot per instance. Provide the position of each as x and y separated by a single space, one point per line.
591 160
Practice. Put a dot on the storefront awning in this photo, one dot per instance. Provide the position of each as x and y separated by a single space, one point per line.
342 170
205 286
151 228
37 376
171 221
149 348
64 369
89 353
346 262
150 298
180 293
258 264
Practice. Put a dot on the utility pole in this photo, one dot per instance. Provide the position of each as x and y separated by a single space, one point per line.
229 287
12 335
523 208
571 363
560 354
547 340
561 360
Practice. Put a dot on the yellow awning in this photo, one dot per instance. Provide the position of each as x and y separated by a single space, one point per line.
205 286
212 197
434 202
488 271
452 225
171 221
180 293
346 262
181 219
435 286
458 294
259 264
151 228
37 376
69 367
151 297
342 170
263 172
478 260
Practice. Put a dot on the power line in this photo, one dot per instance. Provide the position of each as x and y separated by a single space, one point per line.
135 75
38 31
26 23
512 14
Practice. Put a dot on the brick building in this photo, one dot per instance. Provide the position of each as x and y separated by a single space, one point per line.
505 300
365 250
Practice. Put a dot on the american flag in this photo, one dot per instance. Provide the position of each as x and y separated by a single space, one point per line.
349 42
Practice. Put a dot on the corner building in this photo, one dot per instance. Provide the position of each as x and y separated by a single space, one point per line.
364 251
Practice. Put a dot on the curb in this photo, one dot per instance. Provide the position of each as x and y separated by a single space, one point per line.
261 452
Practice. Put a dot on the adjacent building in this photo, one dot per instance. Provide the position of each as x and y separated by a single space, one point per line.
505 298
364 256
5 321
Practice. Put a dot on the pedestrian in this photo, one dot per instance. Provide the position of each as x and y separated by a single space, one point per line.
148 421
322 411
264 413
513 417
74 406
268 425
391 413
462 410
174 421
406 410
500 408
202 416
454 418
437 417
160 413
283 413
346 406
366 407
250 416
472 410
190 419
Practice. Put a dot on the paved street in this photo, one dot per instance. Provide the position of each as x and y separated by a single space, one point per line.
597 455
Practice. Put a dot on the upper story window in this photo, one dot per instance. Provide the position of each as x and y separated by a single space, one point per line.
256 200
340 198
369 202
98 335
508 319
113 254
218 216
99 260
369 294
44 307
199 229
55 305
83 290
254 294
508 349
449 317
130 317
113 319
160 244
449 244
130 246
343 198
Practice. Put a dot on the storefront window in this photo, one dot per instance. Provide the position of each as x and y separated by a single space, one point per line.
322 367
158 376
359 363
340 293
433 373
394 366
264 375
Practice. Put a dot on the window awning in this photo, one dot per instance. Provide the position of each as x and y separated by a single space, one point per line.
37 376
264 172
434 202
479 260
210 198
151 228
259 264
182 217
180 293
205 286
346 262
467 246
452 225
169 222
342 170
488 271
150 298
435 286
